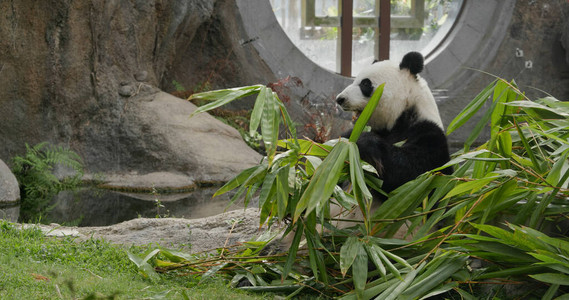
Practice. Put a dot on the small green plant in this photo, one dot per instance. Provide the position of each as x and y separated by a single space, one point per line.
38 183
158 204
178 86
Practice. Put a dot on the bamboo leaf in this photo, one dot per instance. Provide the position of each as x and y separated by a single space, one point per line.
550 258
461 158
552 278
267 188
465 295
505 143
482 123
395 290
270 126
366 114
308 147
292 250
372 251
282 190
360 190
510 272
348 253
214 270
560 167
551 291
343 198
258 109
243 177
392 269
213 95
438 276
315 257
539 110
359 271
407 196
324 180
396 258
142 263
557 243
471 108
471 186
535 163
223 97
440 290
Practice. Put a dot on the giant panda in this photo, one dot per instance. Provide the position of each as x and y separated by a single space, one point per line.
407 136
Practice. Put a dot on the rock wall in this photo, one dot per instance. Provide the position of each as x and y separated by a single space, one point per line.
73 73
565 40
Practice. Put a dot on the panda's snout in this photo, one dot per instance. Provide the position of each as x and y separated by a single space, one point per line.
340 100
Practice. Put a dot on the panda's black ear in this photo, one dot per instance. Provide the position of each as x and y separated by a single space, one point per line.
413 61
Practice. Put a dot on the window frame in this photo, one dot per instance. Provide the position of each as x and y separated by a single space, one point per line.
381 22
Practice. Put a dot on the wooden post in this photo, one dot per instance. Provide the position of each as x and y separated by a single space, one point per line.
346 25
384 29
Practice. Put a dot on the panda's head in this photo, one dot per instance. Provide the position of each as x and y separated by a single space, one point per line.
404 89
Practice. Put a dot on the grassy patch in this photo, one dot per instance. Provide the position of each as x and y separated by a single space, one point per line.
33 266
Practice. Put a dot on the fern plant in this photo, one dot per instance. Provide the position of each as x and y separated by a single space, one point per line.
38 183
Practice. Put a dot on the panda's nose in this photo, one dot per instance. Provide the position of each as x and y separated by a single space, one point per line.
340 100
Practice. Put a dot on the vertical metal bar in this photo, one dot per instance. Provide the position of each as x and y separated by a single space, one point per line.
384 29
346 25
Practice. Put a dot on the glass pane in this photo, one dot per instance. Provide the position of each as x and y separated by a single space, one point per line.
364 8
408 31
363 47
313 28
439 16
402 7
326 8
318 43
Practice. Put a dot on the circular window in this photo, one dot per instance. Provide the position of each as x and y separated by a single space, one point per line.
314 27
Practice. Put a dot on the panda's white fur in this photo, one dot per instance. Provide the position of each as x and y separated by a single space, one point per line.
401 91
407 136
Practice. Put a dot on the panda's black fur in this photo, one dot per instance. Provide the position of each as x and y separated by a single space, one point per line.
424 149
411 145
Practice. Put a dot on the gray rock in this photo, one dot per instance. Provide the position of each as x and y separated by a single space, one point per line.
159 180
199 234
9 194
141 76
126 90
201 147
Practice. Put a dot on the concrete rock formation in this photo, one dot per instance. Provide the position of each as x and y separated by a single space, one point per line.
87 75
9 194
202 234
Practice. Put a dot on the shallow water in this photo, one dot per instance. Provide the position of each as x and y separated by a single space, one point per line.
96 207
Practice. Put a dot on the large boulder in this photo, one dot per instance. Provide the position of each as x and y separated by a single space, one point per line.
199 235
9 194
157 133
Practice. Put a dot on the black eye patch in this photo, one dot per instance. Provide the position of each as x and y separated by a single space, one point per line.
366 87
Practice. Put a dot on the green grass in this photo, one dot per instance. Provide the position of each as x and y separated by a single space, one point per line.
33 266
